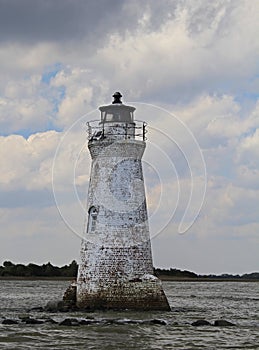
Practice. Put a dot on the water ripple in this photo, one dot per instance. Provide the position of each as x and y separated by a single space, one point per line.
232 301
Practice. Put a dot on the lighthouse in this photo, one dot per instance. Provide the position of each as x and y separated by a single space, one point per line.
116 268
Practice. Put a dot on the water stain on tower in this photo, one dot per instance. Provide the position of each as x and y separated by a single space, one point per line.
116 269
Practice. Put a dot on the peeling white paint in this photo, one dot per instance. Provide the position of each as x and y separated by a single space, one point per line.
116 253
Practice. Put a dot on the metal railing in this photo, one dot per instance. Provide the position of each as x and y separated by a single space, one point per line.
116 130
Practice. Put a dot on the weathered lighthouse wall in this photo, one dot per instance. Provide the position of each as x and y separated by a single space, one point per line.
116 269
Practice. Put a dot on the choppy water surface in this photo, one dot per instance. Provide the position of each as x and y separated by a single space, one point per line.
237 302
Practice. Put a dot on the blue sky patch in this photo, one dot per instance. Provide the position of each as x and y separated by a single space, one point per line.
51 72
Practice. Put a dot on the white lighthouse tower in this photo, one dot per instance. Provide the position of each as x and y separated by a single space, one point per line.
116 269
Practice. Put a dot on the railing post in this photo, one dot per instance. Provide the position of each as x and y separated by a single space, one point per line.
89 130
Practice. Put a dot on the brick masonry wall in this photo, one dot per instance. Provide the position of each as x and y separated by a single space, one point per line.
116 269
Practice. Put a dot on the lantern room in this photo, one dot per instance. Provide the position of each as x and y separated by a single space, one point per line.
117 111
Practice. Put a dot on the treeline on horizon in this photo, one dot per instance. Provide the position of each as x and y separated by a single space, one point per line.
10 269
34 270
188 274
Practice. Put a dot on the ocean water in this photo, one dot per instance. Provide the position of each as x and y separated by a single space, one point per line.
237 302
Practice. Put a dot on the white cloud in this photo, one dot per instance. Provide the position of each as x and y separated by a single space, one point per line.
199 61
19 61
247 177
83 93
214 254
181 60
23 107
35 235
249 149
26 163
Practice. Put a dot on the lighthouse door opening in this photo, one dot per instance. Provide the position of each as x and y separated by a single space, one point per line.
92 218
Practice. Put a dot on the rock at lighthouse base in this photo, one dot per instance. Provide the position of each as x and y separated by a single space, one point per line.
140 294
69 298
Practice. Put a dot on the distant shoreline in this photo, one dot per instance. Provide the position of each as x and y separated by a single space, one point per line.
35 278
162 278
205 279
11 271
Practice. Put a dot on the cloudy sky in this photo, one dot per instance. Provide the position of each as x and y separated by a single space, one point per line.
191 68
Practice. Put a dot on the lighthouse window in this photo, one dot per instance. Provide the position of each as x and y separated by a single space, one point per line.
109 117
92 218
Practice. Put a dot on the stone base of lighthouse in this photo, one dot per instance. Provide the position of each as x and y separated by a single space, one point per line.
144 293
120 278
